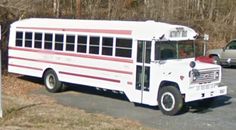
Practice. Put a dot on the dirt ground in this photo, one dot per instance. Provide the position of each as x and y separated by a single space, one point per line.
22 110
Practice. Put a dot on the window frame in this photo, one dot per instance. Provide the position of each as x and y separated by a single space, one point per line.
28 42
230 44
37 40
19 39
81 44
48 41
59 42
124 48
94 48
68 43
107 46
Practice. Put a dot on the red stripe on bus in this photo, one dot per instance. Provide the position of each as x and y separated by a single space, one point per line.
72 65
26 67
106 31
73 54
91 77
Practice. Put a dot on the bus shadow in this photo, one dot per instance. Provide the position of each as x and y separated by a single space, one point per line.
192 107
105 93
32 79
79 88
229 67
93 91
87 90
201 107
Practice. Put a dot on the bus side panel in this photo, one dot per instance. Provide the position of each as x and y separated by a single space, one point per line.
98 73
24 67
84 70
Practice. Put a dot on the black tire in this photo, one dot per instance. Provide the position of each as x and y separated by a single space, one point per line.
170 100
216 60
51 82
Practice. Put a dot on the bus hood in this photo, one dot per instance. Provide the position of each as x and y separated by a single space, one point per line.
184 65
179 70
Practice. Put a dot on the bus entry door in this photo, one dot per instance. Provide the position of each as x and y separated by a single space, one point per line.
143 67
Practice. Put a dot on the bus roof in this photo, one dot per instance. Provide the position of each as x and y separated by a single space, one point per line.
140 30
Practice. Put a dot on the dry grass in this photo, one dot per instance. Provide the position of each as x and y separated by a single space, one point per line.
28 111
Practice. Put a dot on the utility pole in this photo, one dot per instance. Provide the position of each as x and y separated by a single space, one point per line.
0 74
206 39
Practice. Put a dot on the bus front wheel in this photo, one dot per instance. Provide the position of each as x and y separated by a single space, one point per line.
51 81
170 100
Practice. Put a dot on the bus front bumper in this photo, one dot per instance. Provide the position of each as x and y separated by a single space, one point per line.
205 93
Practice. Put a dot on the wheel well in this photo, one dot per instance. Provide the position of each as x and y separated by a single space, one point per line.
211 55
46 71
168 83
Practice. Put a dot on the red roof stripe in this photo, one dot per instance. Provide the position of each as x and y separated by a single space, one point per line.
106 31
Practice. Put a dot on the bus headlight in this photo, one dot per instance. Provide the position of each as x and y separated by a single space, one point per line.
217 75
194 74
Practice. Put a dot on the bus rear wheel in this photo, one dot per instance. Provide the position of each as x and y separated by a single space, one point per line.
51 81
170 100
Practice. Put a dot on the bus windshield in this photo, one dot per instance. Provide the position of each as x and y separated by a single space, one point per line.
174 50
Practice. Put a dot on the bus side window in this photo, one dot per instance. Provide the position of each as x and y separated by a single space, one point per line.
28 39
38 40
94 45
70 43
48 41
19 38
107 45
59 42
81 44
123 47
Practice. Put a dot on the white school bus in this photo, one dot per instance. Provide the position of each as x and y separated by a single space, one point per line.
150 62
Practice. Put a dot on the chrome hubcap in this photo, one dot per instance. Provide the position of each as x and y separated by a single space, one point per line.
168 101
50 81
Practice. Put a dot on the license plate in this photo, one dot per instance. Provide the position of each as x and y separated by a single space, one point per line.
205 87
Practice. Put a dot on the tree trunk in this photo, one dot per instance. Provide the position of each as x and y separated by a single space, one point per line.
109 9
56 8
78 7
